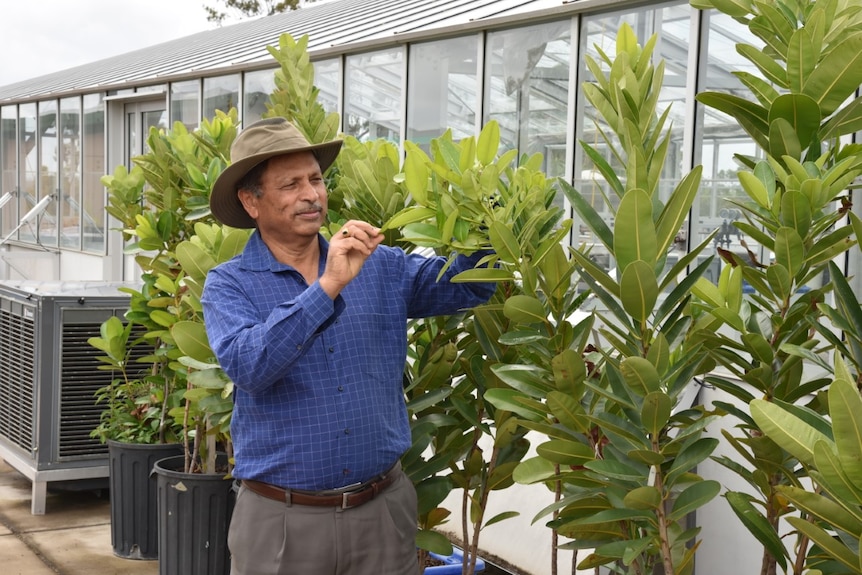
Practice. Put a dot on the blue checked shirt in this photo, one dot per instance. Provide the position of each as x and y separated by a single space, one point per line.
318 398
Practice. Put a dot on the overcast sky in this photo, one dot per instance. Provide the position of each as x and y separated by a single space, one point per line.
42 36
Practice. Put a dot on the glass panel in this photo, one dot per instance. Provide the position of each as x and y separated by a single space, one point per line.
70 172
722 137
672 24
8 168
48 172
220 93
185 103
327 78
256 90
527 90
28 163
94 194
150 119
373 95
442 89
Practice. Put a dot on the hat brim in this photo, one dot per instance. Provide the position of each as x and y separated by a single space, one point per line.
224 200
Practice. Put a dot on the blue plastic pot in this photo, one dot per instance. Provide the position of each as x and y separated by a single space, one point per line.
453 564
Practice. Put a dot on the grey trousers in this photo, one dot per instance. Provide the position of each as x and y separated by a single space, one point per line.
267 537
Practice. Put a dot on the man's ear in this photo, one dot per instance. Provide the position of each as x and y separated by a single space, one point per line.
249 202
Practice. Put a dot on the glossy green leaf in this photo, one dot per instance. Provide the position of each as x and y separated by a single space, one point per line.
801 113
752 117
837 76
504 242
407 216
845 408
783 139
693 498
689 457
789 250
655 412
634 233
640 375
639 290
525 309
758 525
676 210
434 542
534 470
191 338
489 143
516 402
569 371
755 188
824 508
483 275
827 542
788 431
566 452
644 497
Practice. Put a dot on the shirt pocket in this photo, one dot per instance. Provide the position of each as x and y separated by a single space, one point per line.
376 343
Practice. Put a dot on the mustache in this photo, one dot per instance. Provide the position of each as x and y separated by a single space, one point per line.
313 207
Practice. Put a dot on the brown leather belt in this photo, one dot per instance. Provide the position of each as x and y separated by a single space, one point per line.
353 498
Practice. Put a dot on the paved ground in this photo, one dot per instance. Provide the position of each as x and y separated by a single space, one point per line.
72 538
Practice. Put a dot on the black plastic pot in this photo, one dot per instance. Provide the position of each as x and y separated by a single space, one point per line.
134 519
194 513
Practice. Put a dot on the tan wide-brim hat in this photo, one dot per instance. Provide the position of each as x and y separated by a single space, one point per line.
258 142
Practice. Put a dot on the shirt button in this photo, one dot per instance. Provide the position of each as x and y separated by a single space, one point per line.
345 471
340 388
299 347
331 349
347 431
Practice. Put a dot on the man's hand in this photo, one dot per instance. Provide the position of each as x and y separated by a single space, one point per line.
348 250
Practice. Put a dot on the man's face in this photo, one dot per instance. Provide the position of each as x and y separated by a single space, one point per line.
293 202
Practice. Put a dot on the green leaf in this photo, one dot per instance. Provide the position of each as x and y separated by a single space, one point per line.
416 173
482 275
409 215
837 76
655 412
788 431
564 452
831 545
504 242
191 338
525 309
676 210
824 508
689 457
639 290
845 408
636 240
694 497
516 402
640 375
801 112
801 61
434 542
789 250
644 497
758 525
489 143
534 470
753 118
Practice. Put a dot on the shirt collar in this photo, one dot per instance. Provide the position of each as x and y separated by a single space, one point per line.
257 257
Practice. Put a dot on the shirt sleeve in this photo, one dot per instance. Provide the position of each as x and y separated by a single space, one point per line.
430 295
256 345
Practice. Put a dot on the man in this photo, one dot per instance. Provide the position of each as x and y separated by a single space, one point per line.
313 334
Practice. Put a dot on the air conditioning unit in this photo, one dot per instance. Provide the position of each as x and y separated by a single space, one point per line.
49 378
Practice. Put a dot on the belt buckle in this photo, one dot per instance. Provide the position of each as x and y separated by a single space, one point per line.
345 495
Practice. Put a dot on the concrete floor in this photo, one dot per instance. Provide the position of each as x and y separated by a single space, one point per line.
72 538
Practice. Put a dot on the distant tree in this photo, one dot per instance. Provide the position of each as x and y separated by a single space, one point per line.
240 9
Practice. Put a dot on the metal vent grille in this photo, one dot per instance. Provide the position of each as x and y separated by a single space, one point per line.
80 379
17 377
